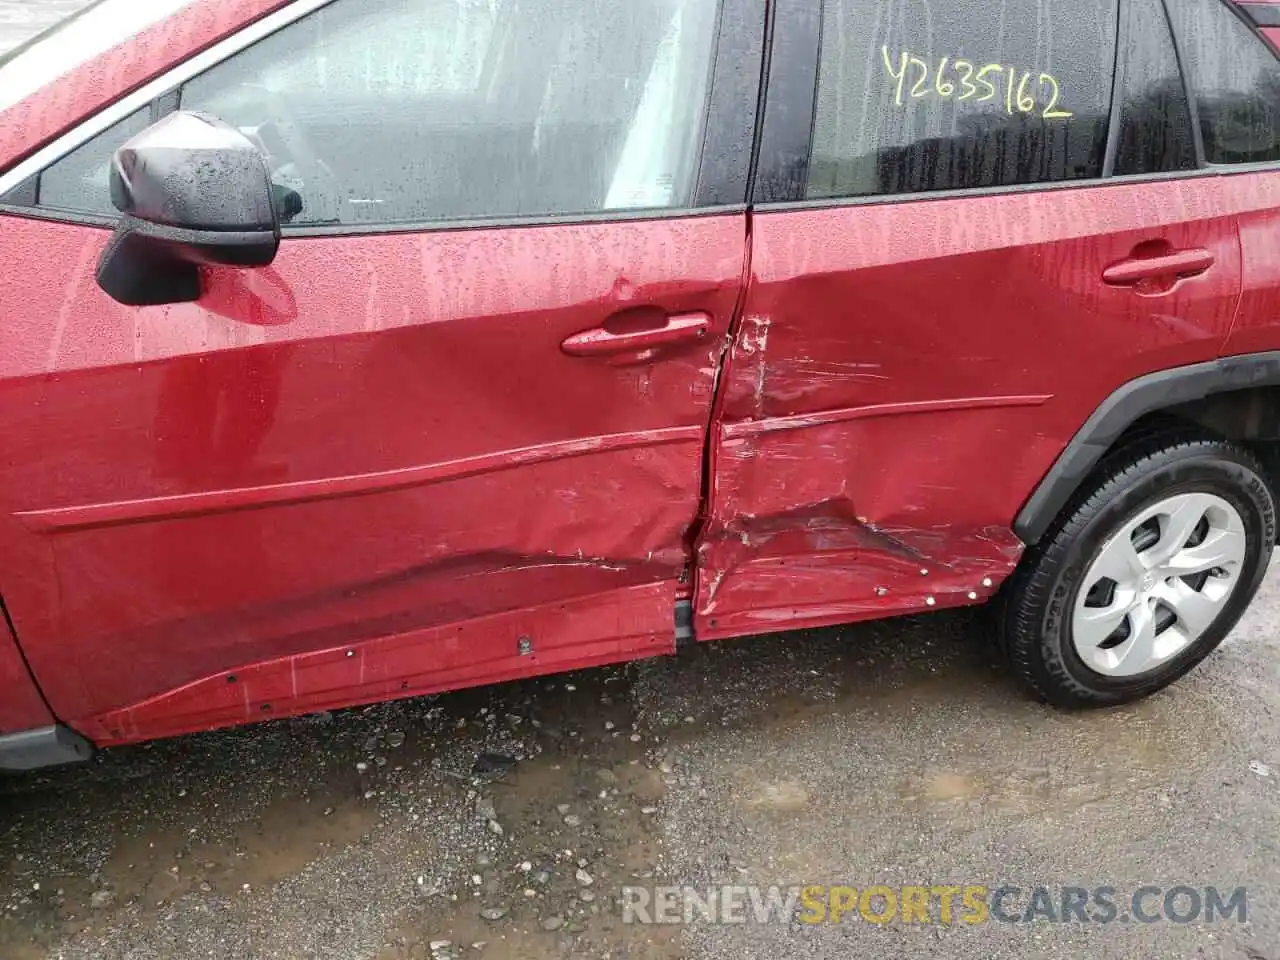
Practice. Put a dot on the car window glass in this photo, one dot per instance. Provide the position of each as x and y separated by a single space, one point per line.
1155 120
73 41
79 181
1235 79
918 95
381 111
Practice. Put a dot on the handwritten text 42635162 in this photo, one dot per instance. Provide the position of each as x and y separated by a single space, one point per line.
971 82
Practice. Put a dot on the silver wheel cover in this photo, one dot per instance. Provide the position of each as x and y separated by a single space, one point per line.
1158 584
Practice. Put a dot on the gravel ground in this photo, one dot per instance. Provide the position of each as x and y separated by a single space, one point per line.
505 821
893 753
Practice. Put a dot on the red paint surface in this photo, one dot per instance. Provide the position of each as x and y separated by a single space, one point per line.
30 124
904 374
373 444
583 632
1258 324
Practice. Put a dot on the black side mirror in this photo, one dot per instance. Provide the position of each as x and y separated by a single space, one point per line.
193 192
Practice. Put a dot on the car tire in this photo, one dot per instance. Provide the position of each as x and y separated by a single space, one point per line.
1085 624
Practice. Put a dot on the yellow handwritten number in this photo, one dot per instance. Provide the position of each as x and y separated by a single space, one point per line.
919 89
966 82
900 75
1017 91
1026 103
991 87
944 87
1049 112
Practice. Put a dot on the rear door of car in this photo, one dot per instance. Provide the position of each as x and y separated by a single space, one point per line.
1234 77
973 232
454 434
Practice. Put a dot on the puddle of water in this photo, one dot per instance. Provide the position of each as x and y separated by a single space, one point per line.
288 836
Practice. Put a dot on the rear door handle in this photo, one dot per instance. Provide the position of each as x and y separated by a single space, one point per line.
1173 265
637 330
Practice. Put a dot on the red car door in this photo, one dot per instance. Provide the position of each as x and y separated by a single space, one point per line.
968 251
454 434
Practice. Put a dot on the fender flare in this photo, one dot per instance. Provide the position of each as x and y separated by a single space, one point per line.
1147 394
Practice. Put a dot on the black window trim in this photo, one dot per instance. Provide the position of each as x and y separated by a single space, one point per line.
1119 72
790 99
935 196
776 140
1197 137
1120 75
157 109
724 163
734 102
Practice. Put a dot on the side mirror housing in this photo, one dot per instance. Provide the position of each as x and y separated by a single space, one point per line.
194 192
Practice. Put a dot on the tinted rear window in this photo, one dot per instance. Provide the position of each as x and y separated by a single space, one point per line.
1235 78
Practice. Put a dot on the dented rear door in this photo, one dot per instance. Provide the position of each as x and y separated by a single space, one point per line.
951 267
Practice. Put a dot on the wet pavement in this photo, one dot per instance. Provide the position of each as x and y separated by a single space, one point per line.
513 817
506 822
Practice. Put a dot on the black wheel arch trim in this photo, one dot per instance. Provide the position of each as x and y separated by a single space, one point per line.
1135 399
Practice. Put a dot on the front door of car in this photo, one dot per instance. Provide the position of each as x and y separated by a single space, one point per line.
453 434
968 250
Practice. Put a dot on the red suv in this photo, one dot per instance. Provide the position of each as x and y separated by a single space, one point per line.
356 349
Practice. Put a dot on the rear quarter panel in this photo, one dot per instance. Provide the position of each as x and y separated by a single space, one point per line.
906 373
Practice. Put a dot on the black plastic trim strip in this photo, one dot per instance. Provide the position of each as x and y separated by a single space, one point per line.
1197 137
1119 73
511 223
756 133
59 216
164 105
43 747
684 624
1262 14
1155 391
725 165
782 170
435 226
